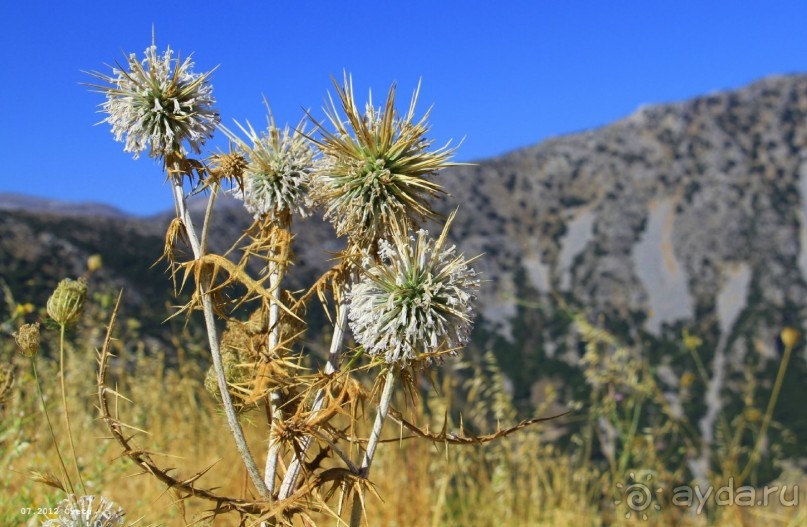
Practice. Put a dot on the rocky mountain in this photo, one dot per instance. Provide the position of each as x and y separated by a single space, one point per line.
686 216
676 210
12 201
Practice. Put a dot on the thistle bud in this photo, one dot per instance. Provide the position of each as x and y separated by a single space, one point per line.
67 301
27 339
229 166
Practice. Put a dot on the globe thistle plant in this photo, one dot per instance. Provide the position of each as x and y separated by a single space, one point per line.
415 303
87 511
278 170
408 302
158 103
375 168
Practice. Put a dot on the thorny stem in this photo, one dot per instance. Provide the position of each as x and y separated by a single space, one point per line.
206 222
64 405
274 398
290 480
215 351
276 269
50 426
372 443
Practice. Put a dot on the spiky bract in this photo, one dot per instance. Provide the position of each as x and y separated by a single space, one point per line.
375 167
416 303
158 103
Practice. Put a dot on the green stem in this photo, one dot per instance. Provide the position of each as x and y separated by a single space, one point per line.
64 405
766 421
634 426
50 426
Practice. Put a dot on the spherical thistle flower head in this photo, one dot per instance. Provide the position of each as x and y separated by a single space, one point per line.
158 103
416 302
375 168
67 301
278 169
87 511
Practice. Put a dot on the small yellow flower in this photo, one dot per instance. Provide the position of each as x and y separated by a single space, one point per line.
21 310
789 336
687 379
94 263
691 342
752 415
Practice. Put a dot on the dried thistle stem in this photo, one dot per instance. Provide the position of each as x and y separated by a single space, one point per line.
213 340
290 480
372 443
275 276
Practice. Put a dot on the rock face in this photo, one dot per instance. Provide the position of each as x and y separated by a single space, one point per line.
681 216
648 217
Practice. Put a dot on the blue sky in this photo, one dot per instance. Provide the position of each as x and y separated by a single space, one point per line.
500 74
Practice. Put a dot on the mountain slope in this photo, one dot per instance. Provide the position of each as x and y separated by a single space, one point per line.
653 216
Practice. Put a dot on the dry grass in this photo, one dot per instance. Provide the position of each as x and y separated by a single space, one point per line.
521 480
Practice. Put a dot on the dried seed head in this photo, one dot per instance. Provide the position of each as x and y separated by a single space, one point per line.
229 166
84 511
27 338
239 377
238 360
6 381
67 301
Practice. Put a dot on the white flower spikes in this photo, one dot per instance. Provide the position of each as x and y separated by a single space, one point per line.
158 104
278 171
414 303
